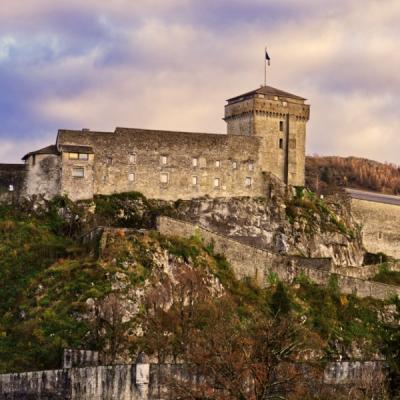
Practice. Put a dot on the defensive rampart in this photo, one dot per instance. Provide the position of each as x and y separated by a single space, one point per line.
144 381
259 264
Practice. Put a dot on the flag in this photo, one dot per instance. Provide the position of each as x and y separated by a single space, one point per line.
267 58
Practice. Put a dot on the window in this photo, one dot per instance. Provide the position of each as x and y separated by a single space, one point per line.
164 178
83 156
248 181
131 177
281 143
78 172
195 161
234 164
217 163
73 156
281 126
163 160
284 103
217 182
10 188
195 180
380 236
132 158
276 98
109 160
251 166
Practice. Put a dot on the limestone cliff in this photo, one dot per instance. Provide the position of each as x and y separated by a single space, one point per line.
285 222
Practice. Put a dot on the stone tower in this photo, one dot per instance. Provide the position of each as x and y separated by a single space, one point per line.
279 119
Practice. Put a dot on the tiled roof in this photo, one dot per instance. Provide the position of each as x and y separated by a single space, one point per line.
52 149
268 90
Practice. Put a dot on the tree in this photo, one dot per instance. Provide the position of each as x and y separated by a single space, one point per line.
228 357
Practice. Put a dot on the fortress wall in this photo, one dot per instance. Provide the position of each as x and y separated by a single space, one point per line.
381 222
77 188
43 175
258 264
113 164
15 175
148 381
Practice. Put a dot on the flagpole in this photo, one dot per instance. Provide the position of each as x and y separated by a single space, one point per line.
265 67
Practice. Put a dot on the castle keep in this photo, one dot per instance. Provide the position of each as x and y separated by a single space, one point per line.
266 133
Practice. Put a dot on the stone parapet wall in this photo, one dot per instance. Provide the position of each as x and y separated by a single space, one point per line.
259 264
144 381
380 224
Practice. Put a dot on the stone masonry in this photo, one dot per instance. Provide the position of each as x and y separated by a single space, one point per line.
266 131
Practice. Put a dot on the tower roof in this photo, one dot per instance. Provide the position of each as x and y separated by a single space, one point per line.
268 90
52 149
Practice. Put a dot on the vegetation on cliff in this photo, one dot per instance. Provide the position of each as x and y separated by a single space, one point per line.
327 174
164 295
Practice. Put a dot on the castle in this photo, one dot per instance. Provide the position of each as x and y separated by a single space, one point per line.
266 133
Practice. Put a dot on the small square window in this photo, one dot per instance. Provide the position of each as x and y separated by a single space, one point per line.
284 103
281 126
195 161
164 178
217 182
163 160
131 177
217 163
78 172
10 188
281 143
195 180
109 160
132 158
251 166
248 181
73 156
83 156
234 164
276 98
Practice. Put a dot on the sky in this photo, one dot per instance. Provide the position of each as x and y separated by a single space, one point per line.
171 64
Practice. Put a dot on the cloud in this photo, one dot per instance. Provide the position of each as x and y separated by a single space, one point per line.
170 64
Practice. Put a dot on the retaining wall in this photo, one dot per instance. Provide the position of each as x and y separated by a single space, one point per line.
249 261
143 381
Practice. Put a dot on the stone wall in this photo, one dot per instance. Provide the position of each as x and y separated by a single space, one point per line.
258 264
77 188
381 222
132 160
142 381
43 176
14 175
280 122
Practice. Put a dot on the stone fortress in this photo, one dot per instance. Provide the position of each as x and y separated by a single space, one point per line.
266 133
265 140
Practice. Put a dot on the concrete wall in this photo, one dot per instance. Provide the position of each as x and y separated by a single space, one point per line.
215 154
381 226
249 261
15 175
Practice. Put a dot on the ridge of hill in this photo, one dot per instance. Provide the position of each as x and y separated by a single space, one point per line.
326 174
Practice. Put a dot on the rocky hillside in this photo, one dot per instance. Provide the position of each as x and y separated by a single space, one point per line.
295 223
328 174
133 289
